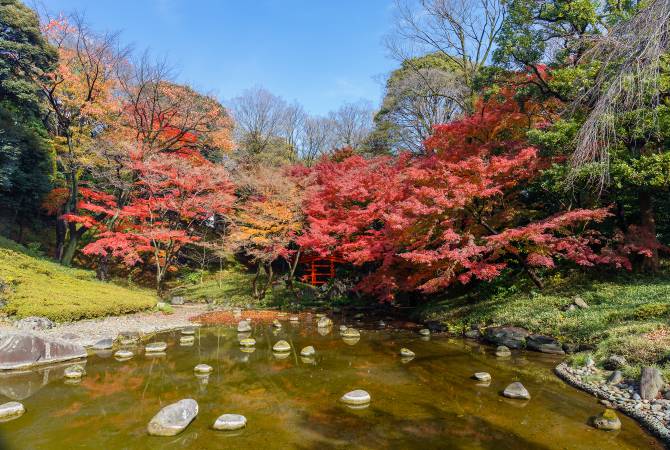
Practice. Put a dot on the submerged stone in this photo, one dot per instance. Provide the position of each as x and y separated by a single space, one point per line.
20 350
308 351
11 410
407 353
516 390
174 418
607 421
155 347
229 422
203 368
243 326
281 346
357 397
482 376
351 340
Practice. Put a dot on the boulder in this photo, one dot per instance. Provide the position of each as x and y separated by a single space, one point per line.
407 353
607 421
482 376
243 326
20 350
308 351
511 337
103 344
651 383
615 377
229 422
615 362
34 323
281 347
351 333
357 397
155 347
174 418
177 301
516 390
503 351
11 410
544 344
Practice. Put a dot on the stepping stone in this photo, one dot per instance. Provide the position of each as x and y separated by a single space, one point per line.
124 354
276 323
343 328
155 347
186 340
351 333
281 346
607 421
243 326
482 376
516 390
74 372
294 319
247 342
11 410
174 418
103 344
229 422
407 353
324 322
503 351
128 338
357 397
188 331
203 368
424 332
308 351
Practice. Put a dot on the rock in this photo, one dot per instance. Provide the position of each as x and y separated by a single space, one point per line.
188 331
351 333
308 351
473 334
124 354
20 350
324 322
569 347
615 362
351 340
424 332
247 342
70 336
174 418
435 327
615 377
343 328
34 323
580 303
482 376
11 410
516 390
243 326
294 319
276 323
281 347
229 422
357 397
544 344
651 383
407 353
186 340
128 338
177 301
203 368
607 421
636 397
74 372
511 337
103 344
501 350
155 347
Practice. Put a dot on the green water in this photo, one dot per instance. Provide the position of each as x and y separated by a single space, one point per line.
429 402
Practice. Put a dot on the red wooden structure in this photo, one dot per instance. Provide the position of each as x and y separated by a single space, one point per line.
319 269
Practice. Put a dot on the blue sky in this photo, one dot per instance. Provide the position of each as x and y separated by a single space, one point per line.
318 52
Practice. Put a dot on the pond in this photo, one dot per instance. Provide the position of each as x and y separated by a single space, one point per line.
427 402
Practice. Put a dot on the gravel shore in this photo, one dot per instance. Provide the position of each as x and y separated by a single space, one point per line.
88 332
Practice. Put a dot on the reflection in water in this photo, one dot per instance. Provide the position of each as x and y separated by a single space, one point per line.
429 401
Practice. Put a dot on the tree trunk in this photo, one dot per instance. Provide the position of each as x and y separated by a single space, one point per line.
648 230
102 272
71 247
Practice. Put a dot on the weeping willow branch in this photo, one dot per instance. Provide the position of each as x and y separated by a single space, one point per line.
631 57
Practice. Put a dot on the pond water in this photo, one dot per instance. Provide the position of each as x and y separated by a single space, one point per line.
428 402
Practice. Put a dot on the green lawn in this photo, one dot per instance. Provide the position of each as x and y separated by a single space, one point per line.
38 286
627 315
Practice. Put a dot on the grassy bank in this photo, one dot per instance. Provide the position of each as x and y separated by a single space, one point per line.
37 286
627 315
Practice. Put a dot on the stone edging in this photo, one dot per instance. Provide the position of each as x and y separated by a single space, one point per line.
653 425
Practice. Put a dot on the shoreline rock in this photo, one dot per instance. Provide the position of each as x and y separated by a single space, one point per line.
22 350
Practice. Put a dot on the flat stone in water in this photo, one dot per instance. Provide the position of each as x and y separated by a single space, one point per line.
247 342
186 340
357 397
516 390
503 351
76 371
482 376
203 368
424 332
243 326
11 410
124 354
188 330
307 351
174 418
281 346
229 422
607 421
407 353
155 347
103 344
351 333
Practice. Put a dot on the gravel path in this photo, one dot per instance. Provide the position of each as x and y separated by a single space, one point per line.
88 332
